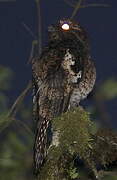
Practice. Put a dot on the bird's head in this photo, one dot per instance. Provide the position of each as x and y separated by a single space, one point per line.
71 42
66 29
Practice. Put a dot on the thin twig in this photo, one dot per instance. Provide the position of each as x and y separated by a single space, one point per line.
23 125
102 173
39 26
29 30
35 42
110 142
87 5
77 7
31 54
95 5
19 100
70 3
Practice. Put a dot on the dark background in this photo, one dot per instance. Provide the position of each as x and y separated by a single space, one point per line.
15 40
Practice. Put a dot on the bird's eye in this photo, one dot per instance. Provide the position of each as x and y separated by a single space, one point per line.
65 27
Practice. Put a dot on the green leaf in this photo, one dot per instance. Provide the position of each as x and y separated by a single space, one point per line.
73 173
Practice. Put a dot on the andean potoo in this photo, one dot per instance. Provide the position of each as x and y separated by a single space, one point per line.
63 75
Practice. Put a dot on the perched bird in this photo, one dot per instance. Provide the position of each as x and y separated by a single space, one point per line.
63 75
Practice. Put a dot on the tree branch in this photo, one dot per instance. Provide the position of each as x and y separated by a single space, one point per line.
29 30
95 5
87 5
77 7
102 173
19 100
34 42
39 26
23 125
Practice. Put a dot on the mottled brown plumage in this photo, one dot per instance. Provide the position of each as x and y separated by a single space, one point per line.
62 76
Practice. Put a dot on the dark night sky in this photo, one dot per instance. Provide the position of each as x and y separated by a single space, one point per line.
15 41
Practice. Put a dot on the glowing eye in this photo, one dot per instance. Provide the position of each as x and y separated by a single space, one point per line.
65 27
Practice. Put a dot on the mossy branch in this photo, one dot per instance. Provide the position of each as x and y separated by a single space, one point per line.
74 140
77 142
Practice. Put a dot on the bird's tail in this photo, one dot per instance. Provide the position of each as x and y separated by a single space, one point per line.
40 149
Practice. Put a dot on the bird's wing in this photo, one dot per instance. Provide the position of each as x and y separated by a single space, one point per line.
52 89
35 92
88 80
85 86
52 98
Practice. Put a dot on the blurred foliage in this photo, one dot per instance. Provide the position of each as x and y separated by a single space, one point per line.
5 76
16 137
107 140
108 90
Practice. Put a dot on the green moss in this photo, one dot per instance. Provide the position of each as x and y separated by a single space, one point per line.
74 139
74 131
58 166
50 169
